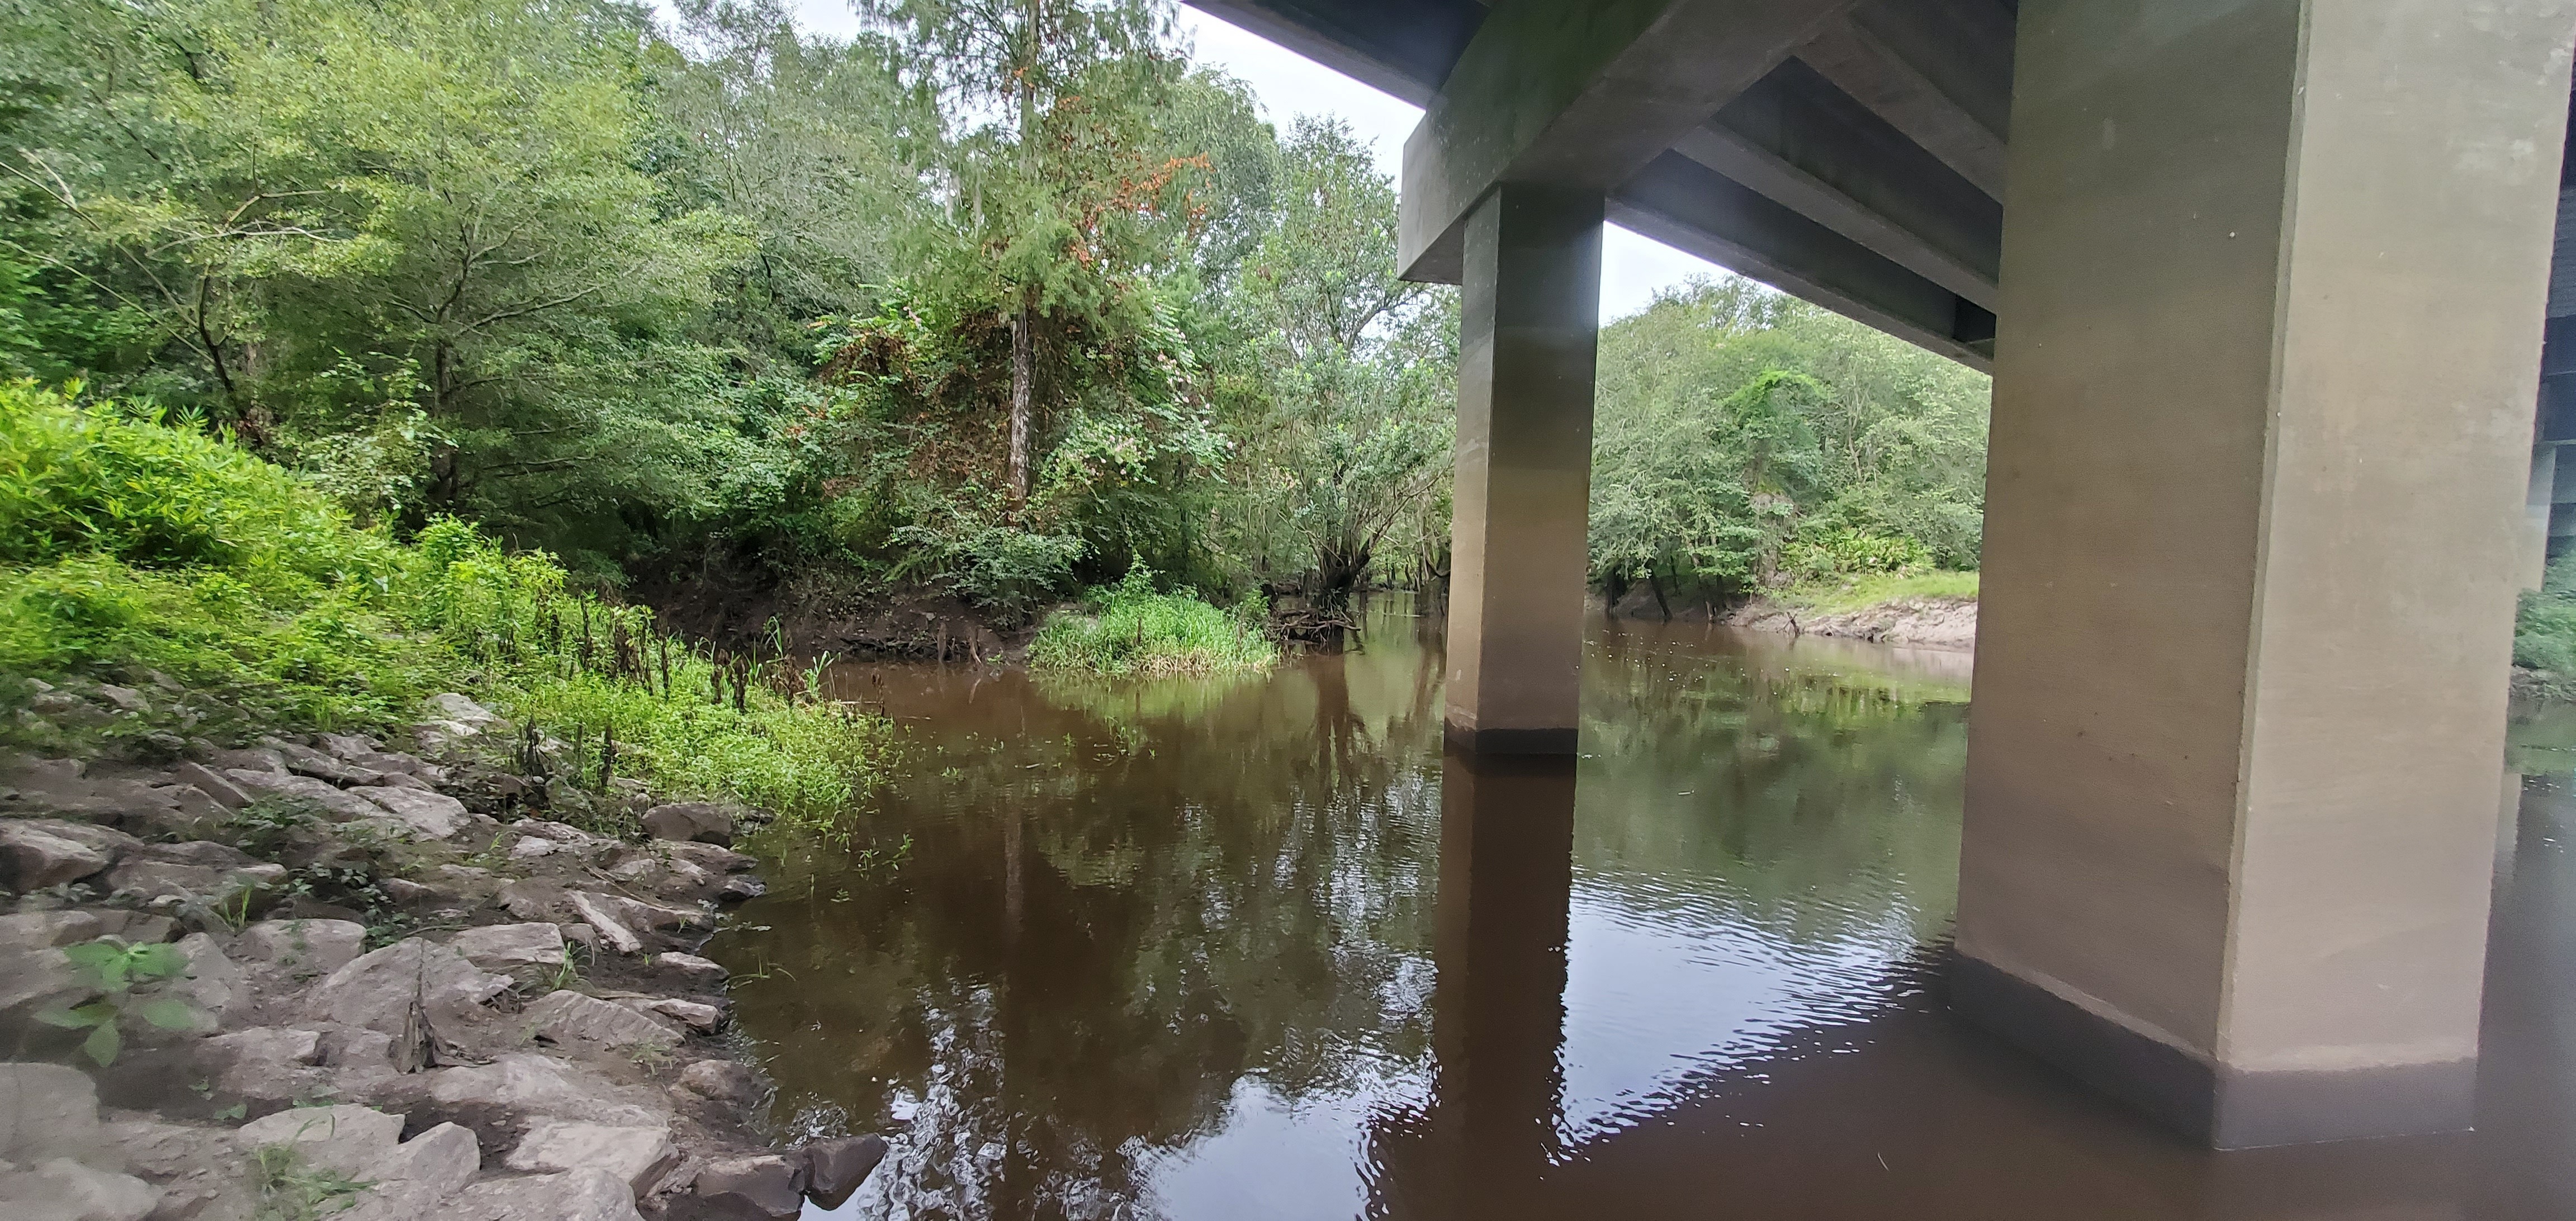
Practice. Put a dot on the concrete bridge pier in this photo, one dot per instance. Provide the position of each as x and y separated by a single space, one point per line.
1529 326
2272 280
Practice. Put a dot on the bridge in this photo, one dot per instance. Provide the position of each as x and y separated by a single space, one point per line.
2261 284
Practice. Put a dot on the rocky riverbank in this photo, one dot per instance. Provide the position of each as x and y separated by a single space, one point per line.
372 980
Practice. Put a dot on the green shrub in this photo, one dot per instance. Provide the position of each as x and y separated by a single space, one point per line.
2544 631
129 547
1128 628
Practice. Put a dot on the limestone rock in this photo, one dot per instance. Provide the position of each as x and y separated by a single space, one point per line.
724 1081
403 780
429 815
46 1111
531 847
212 784
43 930
740 890
348 746
126 699
65 1190
703 822
211 984
319 946
606 915
575 1195
531 899
106 840
762 1186
418 1177
391 763
713 859
376 991
641 914
638 1155
31 859
268 1045
500 947
36 978
699 972
353 1140
834 1169
339 805
566 1017
498 1100
200 1171
703 1018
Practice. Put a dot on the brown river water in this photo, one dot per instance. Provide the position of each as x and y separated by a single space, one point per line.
1253 948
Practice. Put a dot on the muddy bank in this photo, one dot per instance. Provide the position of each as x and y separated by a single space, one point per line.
747 612
377 980
1929 623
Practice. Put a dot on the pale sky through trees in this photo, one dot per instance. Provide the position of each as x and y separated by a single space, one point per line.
1288 84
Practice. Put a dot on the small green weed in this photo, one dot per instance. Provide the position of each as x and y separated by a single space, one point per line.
1129 629
292 1189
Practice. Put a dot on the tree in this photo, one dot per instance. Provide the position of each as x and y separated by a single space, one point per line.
1350 409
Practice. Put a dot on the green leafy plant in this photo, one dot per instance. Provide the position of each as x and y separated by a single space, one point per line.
118 969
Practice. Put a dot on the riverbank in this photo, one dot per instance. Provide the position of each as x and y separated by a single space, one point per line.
372 978
1935 610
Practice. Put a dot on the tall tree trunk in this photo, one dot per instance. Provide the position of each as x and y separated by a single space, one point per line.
1023 373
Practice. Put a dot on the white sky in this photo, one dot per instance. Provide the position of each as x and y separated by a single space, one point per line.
1289 84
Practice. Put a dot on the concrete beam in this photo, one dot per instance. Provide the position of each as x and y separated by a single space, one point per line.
1692 208
1580 96
1401 47
1940 71
1797 139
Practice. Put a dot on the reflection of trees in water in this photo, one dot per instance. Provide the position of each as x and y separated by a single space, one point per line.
1207 885
1121 899
1816 803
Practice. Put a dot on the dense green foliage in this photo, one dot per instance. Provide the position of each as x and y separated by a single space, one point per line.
1748 440
133 551
2544 633
1128 628
999 298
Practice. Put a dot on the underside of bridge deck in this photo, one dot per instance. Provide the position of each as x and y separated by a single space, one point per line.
2261 283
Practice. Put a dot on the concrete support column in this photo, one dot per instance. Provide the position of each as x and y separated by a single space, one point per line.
2273 276
1528 330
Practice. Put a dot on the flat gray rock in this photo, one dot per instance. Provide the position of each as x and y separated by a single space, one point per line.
31 859
320 946
700 821
338 804
427 814
502 1094
501 947
353 1140
639 1155
568 1017
376 991
699 972
65 1190
46 1110
575 1195
42 930
765 1185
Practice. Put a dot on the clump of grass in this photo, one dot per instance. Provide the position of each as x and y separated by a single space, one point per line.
1873 589
2544 631
292 1189
1129 629
131 547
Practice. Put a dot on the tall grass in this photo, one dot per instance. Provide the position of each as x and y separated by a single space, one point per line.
129 548
1129 629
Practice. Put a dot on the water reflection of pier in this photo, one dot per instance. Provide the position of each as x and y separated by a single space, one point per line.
1907 1113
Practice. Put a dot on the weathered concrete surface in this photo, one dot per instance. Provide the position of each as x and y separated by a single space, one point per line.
1528 339
2250 556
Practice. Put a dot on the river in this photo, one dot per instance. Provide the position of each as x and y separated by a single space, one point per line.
1209 949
